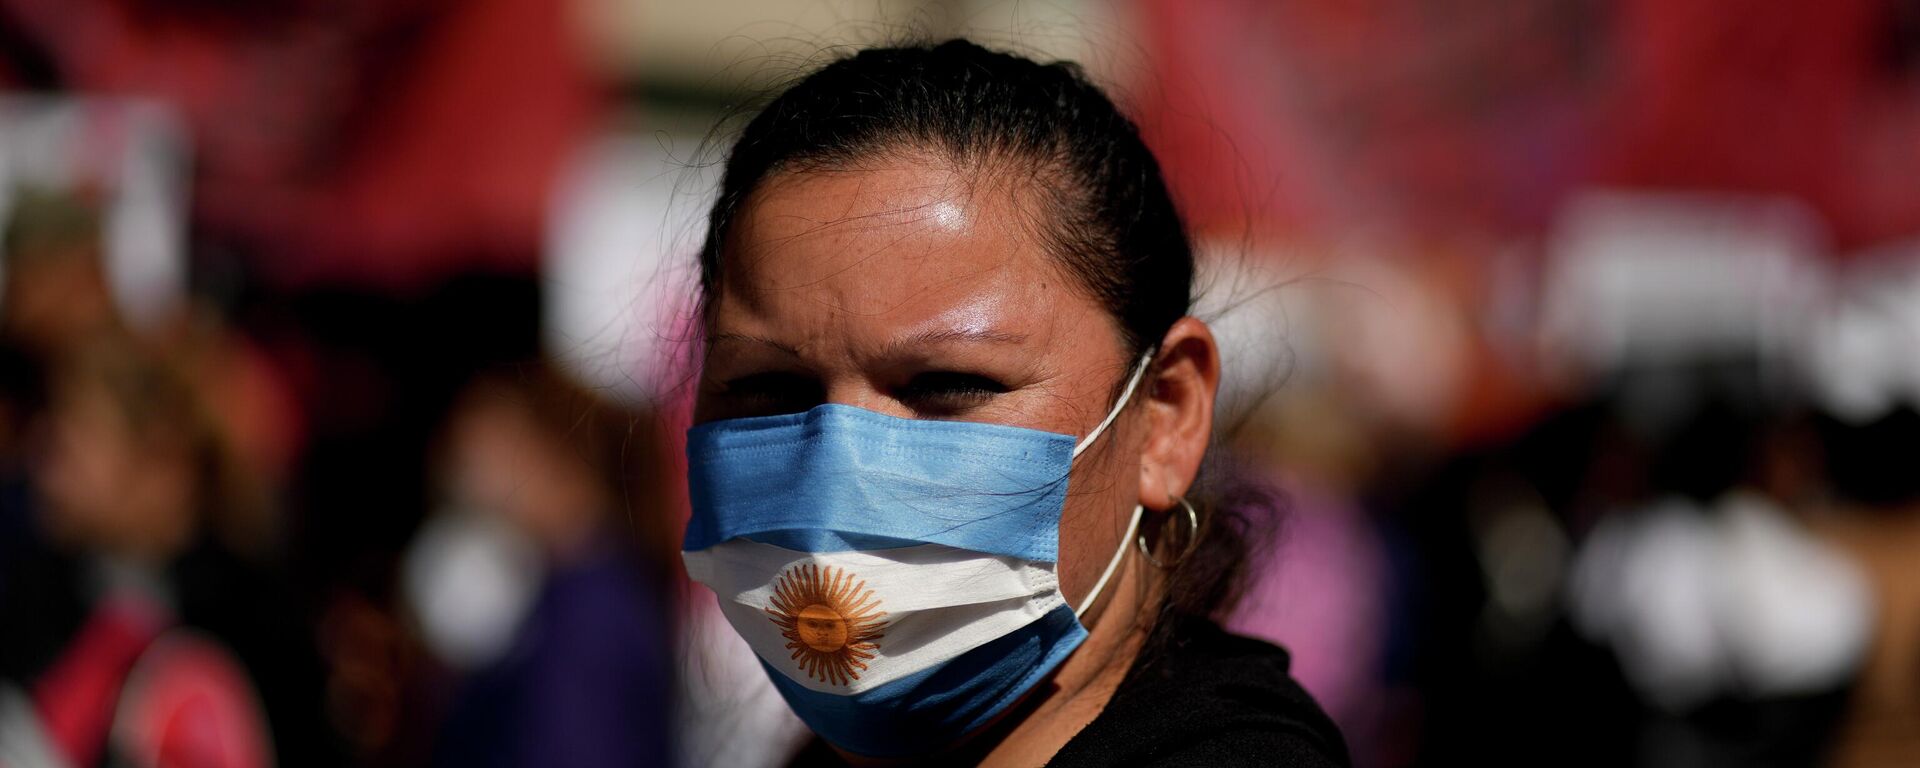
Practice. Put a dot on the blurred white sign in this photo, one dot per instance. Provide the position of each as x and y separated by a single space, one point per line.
131 156
621 264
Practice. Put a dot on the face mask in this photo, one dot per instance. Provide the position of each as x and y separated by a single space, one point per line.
471 579
896 577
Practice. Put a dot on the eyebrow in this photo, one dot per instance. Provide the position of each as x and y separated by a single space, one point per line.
950 335
938 337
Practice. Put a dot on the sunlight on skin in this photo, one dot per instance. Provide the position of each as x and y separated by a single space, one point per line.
853 286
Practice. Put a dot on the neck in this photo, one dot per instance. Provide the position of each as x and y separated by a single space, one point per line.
1116 632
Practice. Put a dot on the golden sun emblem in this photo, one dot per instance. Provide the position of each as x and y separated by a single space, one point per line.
830 621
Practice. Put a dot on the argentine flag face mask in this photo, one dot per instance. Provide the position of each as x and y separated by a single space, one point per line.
897 577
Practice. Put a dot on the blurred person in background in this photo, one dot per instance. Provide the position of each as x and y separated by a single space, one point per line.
57 311
537 583
53 290
948 370
116 653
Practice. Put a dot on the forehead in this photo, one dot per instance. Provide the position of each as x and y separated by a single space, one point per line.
892 243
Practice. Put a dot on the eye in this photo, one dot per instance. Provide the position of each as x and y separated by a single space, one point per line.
771 393
948 391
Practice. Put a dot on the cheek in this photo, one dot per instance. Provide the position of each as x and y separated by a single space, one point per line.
1100 497
80 484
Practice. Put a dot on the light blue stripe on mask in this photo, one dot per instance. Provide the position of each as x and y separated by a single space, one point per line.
924 710
838 478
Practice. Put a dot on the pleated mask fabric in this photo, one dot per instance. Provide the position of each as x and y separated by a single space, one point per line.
897 577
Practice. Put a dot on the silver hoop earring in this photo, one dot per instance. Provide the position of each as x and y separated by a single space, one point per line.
1193 539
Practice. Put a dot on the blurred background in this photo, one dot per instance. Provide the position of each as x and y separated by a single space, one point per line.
341 365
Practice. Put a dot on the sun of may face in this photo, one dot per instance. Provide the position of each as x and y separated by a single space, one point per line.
830 620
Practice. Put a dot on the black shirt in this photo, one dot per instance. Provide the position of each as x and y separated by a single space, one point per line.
1208 698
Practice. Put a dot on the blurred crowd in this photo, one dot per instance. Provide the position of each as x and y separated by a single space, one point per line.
1575 345
163 604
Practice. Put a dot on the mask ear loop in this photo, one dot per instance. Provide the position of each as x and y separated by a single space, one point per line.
1133 524
1133 382
1133 529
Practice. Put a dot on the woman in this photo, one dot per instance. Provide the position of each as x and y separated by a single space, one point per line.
526 589
948 426
139 490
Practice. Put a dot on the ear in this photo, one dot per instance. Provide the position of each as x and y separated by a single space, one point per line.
1180 388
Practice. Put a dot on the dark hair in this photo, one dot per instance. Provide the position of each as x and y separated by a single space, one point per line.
1106 215
163 411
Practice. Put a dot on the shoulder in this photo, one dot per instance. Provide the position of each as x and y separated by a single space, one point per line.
602 604
188 700
1209 698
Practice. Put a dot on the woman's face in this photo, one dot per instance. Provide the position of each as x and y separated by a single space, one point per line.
910 289
106 488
